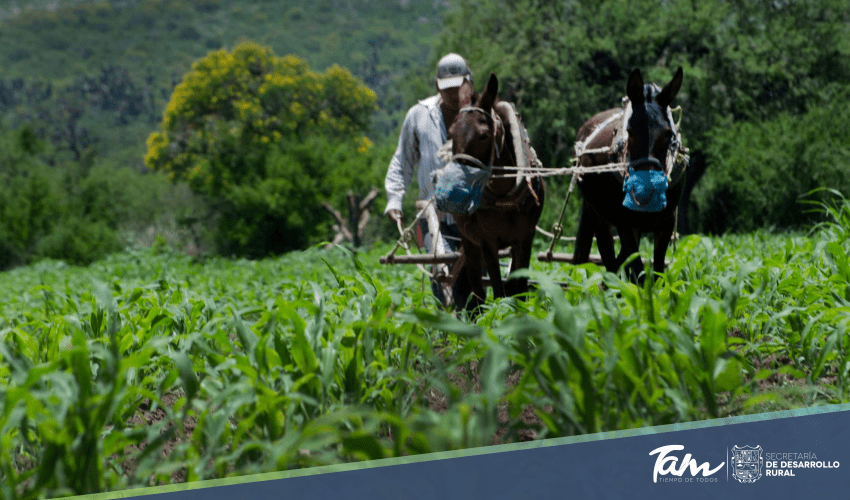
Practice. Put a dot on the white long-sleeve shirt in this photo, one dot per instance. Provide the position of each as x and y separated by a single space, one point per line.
422 134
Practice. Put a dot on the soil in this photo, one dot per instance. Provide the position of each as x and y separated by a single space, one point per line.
777 383
467 379
770 362
147 416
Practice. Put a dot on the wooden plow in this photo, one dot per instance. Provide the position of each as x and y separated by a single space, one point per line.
444 264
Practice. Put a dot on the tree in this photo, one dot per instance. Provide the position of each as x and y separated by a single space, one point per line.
257 135
359 212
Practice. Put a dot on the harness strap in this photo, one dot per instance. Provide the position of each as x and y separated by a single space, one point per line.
579 146
642 161
494 153
517 133
467 109
475 161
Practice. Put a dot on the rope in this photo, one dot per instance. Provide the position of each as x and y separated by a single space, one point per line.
552 172
679 121
675 235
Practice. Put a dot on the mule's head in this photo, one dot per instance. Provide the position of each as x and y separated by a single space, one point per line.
473 132
650 130
652 141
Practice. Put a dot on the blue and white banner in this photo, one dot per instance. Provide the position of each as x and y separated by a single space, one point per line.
794 454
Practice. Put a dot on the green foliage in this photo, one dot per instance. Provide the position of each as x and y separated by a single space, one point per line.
234 107
77 212
564 61
263 137
79 240
760 171
156 42
79 116
285 369
745 62
29 198
270 214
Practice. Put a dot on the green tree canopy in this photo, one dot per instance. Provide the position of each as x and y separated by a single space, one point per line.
259 134
762 170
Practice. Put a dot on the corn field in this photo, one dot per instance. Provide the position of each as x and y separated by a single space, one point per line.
149 367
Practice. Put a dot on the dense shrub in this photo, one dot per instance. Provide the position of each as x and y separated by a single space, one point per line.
29 198
78 240
760 171
75 211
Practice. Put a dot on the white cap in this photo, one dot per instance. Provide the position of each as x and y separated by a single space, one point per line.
452 70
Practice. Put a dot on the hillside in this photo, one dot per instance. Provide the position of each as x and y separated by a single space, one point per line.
106 69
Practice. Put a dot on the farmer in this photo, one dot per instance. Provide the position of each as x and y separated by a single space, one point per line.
423 133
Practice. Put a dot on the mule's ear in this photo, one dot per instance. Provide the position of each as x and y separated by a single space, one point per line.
668 93
488 97
465 94
634 88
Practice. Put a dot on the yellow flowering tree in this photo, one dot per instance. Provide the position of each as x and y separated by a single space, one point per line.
258 134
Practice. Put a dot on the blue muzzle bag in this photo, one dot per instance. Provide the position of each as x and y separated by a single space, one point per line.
646 191
460 188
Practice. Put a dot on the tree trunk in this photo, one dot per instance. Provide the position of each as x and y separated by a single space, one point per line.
352 227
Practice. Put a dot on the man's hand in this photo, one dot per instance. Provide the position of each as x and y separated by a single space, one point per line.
395 216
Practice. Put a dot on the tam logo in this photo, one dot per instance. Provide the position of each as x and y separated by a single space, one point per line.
667 464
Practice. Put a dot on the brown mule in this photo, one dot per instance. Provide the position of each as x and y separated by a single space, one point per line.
510 207
644 136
